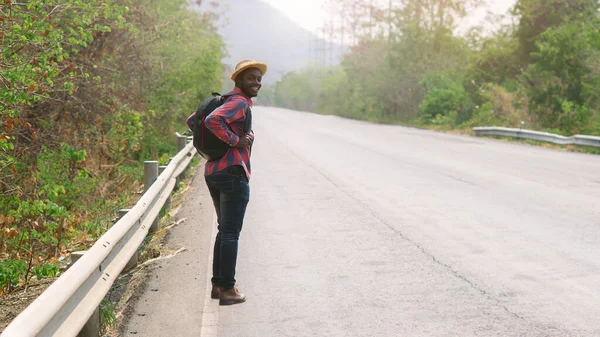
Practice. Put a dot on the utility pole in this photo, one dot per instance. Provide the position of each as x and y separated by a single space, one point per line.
331 37
342 20
317 61
371 19
324 46
390 20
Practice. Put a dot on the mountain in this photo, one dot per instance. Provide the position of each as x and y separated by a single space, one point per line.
253 29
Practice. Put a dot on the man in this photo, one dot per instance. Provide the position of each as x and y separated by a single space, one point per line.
228 178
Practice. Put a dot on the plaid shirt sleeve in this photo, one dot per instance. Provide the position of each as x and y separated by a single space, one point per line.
219 121
190 121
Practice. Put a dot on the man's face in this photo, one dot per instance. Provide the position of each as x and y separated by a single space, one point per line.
250 82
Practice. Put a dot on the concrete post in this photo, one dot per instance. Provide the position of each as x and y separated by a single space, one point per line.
150 175
134 259
92 326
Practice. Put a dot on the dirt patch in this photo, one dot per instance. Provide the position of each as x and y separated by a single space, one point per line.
124 294
14 303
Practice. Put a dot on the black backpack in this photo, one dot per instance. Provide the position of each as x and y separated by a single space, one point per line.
209 146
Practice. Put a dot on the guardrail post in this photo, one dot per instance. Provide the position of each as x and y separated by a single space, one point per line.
92 326
181 142
76 256
150 175
160 171
134 259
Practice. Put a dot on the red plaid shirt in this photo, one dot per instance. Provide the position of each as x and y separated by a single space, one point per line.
227 122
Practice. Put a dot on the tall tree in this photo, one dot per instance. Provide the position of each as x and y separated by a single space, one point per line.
536 16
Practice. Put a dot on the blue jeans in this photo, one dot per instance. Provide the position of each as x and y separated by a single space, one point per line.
230 194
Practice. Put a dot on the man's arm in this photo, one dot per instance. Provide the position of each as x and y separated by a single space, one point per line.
190 121
218 121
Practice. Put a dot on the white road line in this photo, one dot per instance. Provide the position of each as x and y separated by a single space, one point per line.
210 312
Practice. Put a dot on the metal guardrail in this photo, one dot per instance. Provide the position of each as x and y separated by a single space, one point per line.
65 307
537 135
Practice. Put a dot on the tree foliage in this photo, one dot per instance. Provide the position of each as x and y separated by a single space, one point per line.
562 82
88 90
408 64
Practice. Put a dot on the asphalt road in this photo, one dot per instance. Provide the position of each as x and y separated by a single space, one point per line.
358 229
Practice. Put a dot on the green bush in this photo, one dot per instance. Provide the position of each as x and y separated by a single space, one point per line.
563 80
11 273
124 137
444 100
48 270
61 180
483 116
300 90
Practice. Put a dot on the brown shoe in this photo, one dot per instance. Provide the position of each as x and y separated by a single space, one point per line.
231 296
215 292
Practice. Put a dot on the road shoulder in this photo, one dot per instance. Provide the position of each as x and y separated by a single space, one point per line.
170 293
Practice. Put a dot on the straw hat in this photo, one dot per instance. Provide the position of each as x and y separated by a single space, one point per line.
248 63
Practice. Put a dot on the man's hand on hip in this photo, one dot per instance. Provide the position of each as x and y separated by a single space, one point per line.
245 141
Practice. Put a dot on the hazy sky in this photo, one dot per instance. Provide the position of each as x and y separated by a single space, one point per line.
307 13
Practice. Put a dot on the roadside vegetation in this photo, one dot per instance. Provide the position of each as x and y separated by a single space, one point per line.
88 91
407 64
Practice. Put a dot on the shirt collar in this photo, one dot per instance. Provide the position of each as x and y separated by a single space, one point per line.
239 91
